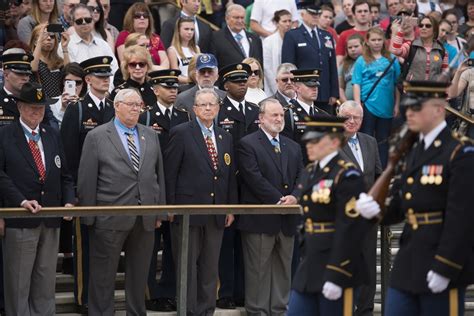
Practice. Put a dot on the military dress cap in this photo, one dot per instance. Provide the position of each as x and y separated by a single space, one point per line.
206 61
319 125
309 6
98 66
417 91
235 72
310 77
19 63
33 93
166 77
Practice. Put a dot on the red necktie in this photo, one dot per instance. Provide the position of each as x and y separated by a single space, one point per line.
35 151
212 151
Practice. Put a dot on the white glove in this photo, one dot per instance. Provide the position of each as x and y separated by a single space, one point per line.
436 282
367 206
332 291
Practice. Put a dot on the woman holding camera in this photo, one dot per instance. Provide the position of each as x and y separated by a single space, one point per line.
42 11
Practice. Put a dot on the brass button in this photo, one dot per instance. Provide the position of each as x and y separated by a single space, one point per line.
305 198
306 209
326 169
42 192
286 186
215 178
408 196
212 194
410 180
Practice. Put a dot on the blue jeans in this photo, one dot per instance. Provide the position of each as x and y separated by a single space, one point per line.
379 128
303 304
407 304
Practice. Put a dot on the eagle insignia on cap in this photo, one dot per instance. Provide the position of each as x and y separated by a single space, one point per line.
104 60
204 58
239 67
172 73
39 94
25 58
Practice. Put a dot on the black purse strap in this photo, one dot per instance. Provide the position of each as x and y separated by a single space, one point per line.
378 80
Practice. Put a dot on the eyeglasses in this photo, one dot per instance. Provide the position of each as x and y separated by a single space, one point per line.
205 105
141 15
78 82
83 21
423 25
94 9
135 64
287 80
132 104
255 73
354 118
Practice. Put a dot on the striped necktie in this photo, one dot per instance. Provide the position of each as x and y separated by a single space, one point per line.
133 151
35 151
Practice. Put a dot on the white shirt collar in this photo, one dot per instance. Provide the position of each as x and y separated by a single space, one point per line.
164 108
241 33
75 38
36 130
270 137
323 162
284 96
236 103
96 100
310 29
305 106
431 136
7 91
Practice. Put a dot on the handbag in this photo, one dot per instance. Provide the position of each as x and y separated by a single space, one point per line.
378 80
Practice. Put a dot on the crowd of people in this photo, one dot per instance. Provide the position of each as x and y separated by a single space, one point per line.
106 102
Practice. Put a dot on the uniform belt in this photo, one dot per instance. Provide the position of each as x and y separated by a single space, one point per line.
416 219
319 227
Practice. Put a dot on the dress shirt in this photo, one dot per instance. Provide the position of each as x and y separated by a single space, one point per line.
97 100
310 30
305 106
357 151
270 137
206 131
236 104
39 143
245 41
323 162
122 130
164 108
431 136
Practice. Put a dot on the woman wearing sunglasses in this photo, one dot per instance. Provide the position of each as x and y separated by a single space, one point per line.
255 94
424 58
139 19
42 11
135 65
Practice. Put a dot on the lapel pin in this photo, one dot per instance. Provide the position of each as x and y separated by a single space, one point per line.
250 109
143 137
6 100
43 130
89 105
299 109
141 89
229 108
437 143
220 136
175 114
157 113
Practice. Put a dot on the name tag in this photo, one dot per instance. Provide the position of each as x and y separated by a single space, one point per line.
302 44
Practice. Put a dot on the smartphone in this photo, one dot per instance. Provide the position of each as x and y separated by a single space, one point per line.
470 62
70 87
55 28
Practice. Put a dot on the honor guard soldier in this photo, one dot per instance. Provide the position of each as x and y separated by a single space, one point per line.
433 195
161 117
239 118
307 89
137 63
79 119
331 263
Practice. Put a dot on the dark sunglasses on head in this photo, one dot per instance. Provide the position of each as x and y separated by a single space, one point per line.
140 15
95 9
423 25
255 73
287 80
83 21
139 64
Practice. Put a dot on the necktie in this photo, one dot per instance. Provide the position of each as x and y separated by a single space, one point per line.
315 37
420 148
134 157
35 151
315 171
311 110
241 108
211 149
238 37
276 145
167 114
101 105
354 141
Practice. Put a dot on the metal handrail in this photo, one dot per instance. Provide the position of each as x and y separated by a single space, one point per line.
185 210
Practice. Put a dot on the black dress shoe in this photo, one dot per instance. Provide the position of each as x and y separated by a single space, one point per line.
225 303
82 309
240 302
161 305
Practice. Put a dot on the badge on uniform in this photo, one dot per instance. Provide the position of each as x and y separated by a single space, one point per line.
350 208
322 192
227 159
431 174
328 44
57 161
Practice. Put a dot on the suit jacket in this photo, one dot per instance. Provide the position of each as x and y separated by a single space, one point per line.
281 98
301 50
266 177
107 176
446 247
205 33
17 162
185 99
227 51
370 157
76 124
190 177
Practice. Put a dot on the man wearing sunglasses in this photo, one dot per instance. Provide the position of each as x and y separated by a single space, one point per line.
433 195
286 92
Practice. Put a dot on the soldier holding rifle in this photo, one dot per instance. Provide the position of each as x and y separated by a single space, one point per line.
433 196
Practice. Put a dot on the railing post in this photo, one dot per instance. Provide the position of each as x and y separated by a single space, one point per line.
183 266
385 261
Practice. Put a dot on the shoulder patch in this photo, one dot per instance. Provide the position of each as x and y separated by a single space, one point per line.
351 173
468 149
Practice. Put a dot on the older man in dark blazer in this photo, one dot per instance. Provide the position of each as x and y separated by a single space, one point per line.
362 150
35 171
199 164
232 43
270 165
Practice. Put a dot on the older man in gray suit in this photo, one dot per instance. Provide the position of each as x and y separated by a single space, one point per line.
121 164
362 150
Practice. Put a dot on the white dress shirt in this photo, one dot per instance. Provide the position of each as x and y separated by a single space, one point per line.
431 136
244 41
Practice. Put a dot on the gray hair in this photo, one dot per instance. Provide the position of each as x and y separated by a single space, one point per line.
285 68
77 7
350 104
206 91
233 7
263 104
124 94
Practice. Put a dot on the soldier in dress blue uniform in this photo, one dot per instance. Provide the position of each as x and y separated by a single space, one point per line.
433 195
331 263
161 117
239 118
79 119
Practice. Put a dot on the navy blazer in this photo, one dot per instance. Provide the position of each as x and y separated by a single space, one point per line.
266 177
16 161
301 50
189 175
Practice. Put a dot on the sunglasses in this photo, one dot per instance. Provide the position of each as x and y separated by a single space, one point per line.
417 107
255 73
287 80
94 9
83 21
139 64
141 15
423 25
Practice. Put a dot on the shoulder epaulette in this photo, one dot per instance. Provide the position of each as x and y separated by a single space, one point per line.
465 143
350 167
181 110
309 167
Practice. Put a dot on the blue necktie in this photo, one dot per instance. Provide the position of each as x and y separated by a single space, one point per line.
353 141
238 37
276 145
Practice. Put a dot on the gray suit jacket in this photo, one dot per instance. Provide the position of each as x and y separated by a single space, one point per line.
370 156
185 99
106 176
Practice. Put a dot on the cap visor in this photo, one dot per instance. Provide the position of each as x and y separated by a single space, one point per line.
21 71
312 135
101 74
206 67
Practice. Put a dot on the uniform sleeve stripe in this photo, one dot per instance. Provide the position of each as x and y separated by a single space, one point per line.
337 269
448 262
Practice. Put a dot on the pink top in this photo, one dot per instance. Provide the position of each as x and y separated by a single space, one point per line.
155 45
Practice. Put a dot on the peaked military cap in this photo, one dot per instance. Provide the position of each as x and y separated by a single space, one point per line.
417 91
310 77
166 77
19 63
309 6
235 72
98 66
319 124
33 93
